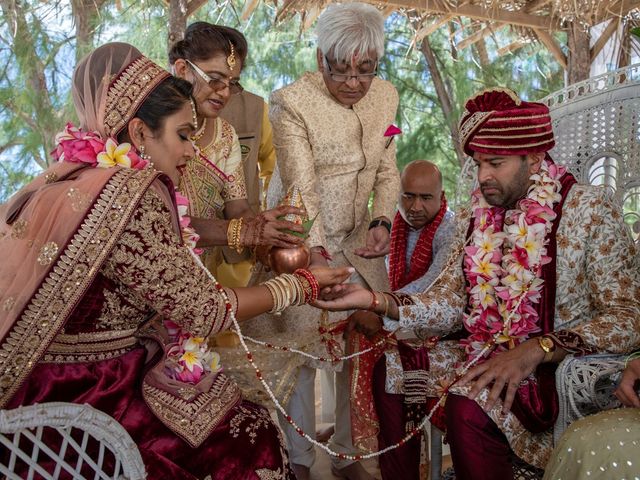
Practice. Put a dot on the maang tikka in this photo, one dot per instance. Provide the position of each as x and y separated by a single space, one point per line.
231 59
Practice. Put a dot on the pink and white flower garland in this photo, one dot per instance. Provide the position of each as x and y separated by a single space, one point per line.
503 264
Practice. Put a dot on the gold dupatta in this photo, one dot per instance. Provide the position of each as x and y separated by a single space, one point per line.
56 234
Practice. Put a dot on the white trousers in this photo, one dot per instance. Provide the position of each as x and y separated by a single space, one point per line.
301 408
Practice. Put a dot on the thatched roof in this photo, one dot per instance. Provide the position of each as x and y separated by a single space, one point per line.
531 19
549 15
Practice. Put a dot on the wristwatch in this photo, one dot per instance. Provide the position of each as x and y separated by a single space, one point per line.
548 346
380 223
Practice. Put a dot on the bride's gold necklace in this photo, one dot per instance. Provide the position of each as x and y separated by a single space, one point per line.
198 135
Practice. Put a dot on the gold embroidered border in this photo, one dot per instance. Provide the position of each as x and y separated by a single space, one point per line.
511 119
467 128
511 147
513 136
94 337
66 282
77 357
128 91
193 420
90 346
525 127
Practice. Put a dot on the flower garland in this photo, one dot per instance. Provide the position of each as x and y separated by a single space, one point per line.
504 268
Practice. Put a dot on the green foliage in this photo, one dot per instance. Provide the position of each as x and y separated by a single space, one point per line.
279 53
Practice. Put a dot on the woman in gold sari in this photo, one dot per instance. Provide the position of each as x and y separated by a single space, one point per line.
212 57
93 248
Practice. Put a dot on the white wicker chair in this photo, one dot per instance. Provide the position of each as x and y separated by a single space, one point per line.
597 123
597 129
85 440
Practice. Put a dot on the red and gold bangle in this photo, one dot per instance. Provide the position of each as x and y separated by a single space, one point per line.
313 283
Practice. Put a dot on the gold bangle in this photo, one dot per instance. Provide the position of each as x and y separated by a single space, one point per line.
233 234
237 240
230 228
386 304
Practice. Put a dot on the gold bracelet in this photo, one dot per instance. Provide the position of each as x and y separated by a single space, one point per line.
230 229
386 304
233 234
237 242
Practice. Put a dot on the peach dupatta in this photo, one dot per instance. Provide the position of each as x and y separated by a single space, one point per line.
55 235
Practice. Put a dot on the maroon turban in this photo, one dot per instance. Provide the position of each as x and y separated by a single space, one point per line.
497 121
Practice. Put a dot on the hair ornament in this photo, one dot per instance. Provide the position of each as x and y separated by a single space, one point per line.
231 59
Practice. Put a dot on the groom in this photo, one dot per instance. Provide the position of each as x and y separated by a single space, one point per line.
542 268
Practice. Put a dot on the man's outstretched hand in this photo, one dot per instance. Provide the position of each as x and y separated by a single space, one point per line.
377 245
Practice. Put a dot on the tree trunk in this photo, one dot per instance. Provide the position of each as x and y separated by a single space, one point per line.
624 55
86 16
579 54
179 12
177 21
444 98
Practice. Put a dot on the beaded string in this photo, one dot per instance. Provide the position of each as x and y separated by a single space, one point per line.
322 330
415 431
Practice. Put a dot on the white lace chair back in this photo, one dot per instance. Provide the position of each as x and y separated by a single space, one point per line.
597 129
54 440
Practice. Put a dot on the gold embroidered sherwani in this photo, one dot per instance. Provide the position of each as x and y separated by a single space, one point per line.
338 157
597 297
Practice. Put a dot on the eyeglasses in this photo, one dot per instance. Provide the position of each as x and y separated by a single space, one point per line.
217 83
343 77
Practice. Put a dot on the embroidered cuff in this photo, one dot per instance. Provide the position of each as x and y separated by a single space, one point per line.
571 342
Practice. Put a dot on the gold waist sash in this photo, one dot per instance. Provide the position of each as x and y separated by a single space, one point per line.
90 346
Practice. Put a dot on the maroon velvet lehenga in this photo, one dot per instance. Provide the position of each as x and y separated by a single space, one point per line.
92 354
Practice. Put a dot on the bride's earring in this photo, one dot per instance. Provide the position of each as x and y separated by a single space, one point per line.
145 157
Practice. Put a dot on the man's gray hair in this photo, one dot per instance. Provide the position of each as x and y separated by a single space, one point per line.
349 29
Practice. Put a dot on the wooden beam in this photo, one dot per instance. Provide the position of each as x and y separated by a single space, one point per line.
193 6
480 13
510 48
248 9
386 11
551 44
618 9
604 37
479 35
427 30
310 16
534 5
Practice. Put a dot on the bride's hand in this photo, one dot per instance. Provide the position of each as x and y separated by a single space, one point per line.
349 297
328 276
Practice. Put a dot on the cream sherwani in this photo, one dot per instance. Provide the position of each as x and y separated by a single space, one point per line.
338 157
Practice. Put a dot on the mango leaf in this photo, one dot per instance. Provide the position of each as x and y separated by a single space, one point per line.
306 225
635 32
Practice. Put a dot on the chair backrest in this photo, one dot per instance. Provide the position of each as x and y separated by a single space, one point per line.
597 127
53 440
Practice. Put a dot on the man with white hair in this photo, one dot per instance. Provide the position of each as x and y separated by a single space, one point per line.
331 137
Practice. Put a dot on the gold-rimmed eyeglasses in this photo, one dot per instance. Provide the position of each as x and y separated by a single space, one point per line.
344 77
217 83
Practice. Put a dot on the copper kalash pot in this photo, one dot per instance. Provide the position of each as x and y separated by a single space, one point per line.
288 260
